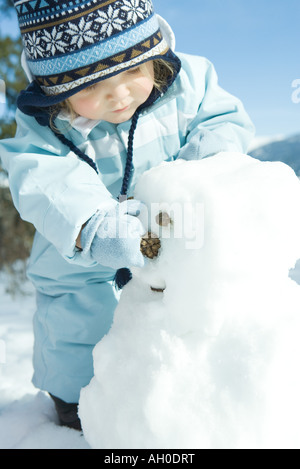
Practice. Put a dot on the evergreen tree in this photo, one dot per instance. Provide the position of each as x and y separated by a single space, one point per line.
15 234
11 72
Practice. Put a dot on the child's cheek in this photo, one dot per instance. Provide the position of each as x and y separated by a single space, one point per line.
145 87
87 106
82 106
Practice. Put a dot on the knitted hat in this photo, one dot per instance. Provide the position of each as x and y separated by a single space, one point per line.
71 44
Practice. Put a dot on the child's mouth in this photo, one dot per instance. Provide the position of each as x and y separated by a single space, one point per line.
121 110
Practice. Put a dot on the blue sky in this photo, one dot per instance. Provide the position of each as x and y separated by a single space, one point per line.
254 45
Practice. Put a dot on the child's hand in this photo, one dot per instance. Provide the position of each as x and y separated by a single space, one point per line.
203 144
113 237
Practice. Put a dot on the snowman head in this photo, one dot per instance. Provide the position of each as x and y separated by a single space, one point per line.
227 223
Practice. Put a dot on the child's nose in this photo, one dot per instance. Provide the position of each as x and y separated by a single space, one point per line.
119 92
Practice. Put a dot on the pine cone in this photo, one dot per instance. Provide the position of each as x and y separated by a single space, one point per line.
150 245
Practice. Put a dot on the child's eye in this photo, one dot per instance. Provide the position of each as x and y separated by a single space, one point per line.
134 70
91 87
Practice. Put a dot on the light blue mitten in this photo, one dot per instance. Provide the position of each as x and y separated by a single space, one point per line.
203 144
112 237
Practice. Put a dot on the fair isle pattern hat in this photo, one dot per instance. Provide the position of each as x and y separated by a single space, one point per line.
71 44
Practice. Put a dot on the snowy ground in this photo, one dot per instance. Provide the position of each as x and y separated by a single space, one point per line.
27 416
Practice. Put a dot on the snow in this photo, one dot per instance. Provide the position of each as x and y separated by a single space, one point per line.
27 416
212 362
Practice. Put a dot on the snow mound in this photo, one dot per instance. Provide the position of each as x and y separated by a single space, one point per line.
28 418
212 361
31 423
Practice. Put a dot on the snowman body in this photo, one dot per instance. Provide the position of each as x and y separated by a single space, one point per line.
203 352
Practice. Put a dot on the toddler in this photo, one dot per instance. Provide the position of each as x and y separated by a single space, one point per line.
108 99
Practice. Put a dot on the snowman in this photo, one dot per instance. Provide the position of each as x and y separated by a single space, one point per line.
204 350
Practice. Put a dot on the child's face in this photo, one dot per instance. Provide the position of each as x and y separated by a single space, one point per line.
115 99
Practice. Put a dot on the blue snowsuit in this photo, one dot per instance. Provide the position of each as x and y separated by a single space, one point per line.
58 193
